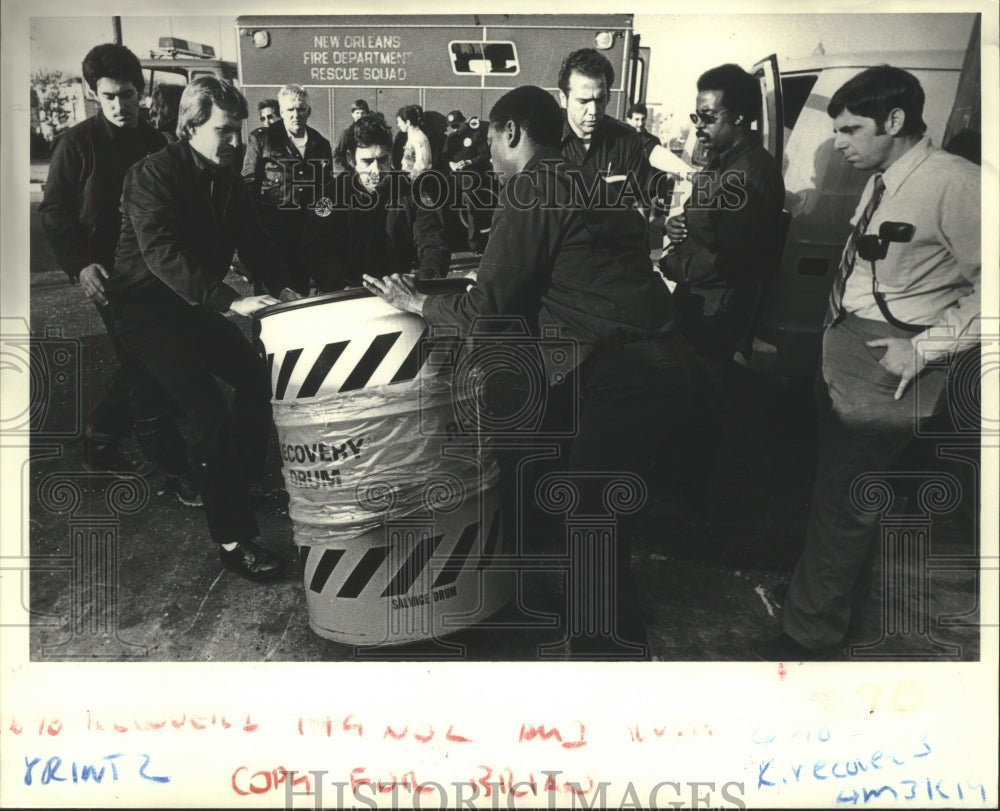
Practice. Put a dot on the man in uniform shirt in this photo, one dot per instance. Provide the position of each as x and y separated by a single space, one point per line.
185 210
81 217
284 166
892 326
583 270
604 146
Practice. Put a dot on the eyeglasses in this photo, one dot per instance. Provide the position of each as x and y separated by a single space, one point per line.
706 118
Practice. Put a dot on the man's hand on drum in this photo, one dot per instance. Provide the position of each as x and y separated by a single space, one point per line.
249 305
398 290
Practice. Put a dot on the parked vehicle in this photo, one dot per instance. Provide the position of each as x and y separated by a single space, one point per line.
463 62
822 190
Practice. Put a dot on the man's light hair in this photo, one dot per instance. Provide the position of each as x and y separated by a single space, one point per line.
199 97
295 93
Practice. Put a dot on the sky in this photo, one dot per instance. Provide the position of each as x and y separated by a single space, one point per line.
683 44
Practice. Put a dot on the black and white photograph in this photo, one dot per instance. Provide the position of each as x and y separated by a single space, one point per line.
446 407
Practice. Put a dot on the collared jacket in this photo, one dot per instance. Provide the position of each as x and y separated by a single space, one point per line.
562 264
278 175
353 232
733 223
80 209
182 219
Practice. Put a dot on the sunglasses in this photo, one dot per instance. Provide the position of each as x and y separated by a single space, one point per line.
706 118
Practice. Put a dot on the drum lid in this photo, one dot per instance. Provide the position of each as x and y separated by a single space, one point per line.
432 287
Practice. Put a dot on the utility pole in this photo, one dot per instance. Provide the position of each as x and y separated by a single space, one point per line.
116 24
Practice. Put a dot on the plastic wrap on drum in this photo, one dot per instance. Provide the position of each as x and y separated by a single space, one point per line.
353 461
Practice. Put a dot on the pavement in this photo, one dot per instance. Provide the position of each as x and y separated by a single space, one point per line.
121 570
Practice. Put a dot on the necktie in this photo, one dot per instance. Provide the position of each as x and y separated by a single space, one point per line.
835 309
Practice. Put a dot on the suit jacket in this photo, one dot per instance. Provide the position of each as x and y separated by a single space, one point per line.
175 233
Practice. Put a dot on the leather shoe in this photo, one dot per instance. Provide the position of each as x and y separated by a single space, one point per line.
252 561
783 648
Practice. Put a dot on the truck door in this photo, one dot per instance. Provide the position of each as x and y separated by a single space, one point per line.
770 126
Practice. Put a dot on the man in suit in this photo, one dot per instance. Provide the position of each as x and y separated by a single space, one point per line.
184 213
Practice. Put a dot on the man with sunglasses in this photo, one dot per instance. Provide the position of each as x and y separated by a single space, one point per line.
725 243
723 247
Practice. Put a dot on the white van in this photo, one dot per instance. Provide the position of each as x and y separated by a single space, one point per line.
821 189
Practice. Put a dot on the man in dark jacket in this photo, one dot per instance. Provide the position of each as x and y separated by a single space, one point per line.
184 213
285 165
580 272
604 146
81 217
724 247
371 221
725 244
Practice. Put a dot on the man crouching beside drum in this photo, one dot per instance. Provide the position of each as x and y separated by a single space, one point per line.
584 272
369 220
184 211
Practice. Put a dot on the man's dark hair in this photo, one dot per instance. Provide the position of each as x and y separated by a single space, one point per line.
166 99
740 91
110 61
534 111
360 104
198 98
637 108
876 92
587 62
412 114
266 103
369 130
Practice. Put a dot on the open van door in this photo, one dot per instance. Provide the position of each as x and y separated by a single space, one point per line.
770 125
771 128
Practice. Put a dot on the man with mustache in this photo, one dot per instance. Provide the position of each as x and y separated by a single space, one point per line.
725 243
723 248
185 210
81 218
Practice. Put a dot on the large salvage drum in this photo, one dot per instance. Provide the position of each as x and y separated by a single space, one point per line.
394 500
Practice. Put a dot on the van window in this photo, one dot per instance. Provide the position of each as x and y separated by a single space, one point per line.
479 58
794 92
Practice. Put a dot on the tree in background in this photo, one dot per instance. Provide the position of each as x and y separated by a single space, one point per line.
51 102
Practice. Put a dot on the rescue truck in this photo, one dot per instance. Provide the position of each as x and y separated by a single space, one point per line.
441 62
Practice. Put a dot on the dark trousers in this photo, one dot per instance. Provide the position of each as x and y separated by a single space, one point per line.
635 400
184 348
133 399
862 429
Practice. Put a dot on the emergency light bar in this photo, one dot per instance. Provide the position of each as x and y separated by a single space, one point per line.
174 46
